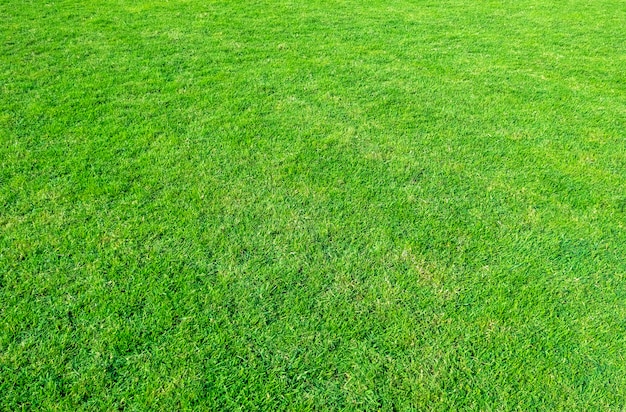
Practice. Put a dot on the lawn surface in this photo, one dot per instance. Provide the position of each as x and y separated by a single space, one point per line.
355 205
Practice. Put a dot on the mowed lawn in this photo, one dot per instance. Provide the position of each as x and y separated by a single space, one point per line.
313 205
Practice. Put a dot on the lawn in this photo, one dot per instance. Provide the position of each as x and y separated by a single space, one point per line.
313 205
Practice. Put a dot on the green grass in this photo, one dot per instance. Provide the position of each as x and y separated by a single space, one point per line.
313 205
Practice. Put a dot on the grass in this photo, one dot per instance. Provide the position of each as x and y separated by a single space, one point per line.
313 205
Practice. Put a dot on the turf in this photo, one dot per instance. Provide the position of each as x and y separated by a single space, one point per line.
313 205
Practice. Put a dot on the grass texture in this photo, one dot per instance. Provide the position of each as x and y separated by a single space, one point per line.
313 205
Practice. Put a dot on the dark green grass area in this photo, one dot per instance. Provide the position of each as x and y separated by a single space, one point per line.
313 205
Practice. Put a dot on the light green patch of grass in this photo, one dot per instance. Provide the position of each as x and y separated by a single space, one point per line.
312 205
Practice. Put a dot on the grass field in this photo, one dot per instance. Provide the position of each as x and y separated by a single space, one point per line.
313 205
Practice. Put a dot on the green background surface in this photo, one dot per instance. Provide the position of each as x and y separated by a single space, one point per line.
313 205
